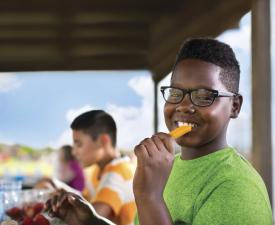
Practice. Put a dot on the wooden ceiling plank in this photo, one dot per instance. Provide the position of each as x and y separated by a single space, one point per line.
127 42
93 6
88 63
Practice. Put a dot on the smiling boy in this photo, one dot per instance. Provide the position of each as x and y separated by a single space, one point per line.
208 182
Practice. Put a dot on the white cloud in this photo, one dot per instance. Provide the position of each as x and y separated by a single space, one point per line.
66 136
133 123
8 82
64 139
73 113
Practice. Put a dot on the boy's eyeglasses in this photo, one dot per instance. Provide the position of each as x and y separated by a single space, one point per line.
199 97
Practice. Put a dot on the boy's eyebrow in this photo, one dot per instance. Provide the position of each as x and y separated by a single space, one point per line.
197 87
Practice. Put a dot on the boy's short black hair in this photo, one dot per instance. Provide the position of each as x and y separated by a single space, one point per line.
216 52
94 123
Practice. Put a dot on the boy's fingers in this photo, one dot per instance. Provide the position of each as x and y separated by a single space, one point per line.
76 201
53 202
55 198
141 151
47 205
61 200
150 146
82 204
167 140
141 154
159 143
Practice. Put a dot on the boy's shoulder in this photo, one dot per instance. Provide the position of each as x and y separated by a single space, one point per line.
219 167
121 166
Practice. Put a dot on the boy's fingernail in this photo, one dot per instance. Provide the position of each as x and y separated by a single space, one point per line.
72 198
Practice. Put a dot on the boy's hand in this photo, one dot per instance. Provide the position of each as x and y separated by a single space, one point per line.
45 183
154 163
70 208
54 184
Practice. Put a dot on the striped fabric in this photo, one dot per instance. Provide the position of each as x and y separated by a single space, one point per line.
115 188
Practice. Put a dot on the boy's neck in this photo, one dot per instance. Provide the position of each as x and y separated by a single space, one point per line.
113 154
188 153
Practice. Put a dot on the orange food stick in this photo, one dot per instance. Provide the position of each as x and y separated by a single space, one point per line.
179 131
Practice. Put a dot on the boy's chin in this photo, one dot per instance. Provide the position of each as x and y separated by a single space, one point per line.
187 143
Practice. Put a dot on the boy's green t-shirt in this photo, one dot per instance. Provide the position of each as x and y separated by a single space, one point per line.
221 188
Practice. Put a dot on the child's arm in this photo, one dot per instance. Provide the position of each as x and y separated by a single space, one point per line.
154 163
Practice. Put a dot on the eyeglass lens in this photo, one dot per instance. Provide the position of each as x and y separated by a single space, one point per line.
200 97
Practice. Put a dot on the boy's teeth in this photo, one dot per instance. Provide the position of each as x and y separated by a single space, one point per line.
185 124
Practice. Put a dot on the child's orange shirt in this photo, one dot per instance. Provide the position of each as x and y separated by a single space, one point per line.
114 188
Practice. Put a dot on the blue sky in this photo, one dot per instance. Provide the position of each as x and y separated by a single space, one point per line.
34 105
37 108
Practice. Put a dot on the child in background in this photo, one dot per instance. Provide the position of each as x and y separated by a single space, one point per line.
69 169
209 182
110 176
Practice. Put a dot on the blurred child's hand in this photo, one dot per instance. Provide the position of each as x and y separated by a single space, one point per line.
154 163
45 183
71 208
67 206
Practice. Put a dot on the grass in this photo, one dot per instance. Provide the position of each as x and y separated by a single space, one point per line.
15 167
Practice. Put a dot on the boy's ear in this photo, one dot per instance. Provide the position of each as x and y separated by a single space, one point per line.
104 139
236 106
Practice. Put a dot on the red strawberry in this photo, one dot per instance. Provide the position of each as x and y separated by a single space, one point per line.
28 210
27 221
15 213
39 219
38 207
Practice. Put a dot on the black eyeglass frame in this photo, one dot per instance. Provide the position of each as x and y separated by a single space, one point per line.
216 94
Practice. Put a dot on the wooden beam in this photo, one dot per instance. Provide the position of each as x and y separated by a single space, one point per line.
51 62
80 5
112 26
112 61
19 54
11 18
107 48
261 91
156 114
130 42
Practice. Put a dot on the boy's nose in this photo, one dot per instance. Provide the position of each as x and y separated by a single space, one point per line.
185 106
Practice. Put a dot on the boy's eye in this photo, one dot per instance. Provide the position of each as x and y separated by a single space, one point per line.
174 93
77 144
204 97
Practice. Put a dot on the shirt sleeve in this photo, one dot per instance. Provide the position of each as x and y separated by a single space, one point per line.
234 203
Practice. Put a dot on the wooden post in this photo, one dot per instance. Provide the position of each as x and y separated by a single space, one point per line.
261 91
156 120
